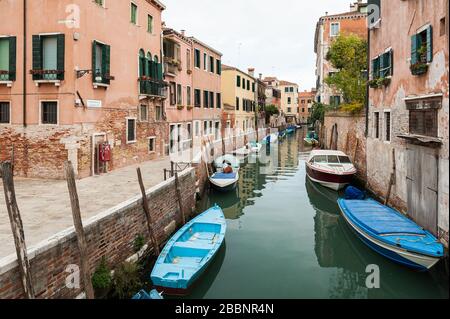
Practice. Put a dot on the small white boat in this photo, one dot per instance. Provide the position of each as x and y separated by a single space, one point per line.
332 169
255 147
243 151
271 139
224 182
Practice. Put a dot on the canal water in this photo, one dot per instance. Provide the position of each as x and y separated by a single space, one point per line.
286 239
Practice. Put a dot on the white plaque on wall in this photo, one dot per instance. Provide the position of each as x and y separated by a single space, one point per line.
94 103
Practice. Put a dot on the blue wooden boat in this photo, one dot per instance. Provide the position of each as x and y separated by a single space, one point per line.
143 295
189 252
290 130
391 234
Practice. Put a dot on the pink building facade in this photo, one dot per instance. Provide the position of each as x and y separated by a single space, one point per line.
81 76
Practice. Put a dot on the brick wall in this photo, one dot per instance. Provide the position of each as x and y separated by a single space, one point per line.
110 234
350 128
40 151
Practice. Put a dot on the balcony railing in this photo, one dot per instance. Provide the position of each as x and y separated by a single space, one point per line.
153 87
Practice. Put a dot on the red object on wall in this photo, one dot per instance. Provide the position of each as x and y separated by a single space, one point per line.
104 152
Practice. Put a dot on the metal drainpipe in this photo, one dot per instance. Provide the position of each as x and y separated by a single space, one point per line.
24 97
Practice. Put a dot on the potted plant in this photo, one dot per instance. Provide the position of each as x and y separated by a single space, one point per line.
373 83
189 107
180 107
189 72
386 81
102 279
422 53
418 68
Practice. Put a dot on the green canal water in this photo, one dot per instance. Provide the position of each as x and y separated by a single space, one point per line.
286 239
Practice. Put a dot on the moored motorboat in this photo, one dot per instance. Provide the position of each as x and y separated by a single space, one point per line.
243 151
310 141
332 169
290 130
255 147
391 234
270 139
224 181
143 295
189 252
227 160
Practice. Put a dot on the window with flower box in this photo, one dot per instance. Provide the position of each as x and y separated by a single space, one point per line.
8 59
48 57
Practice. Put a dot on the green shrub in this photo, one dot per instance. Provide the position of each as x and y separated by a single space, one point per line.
139 242
126 280
101 279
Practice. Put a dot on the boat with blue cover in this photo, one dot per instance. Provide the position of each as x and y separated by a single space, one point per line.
391 234
290 130
189 252
143 295
224 181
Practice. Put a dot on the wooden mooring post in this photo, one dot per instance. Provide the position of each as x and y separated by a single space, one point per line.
391 179
17 230
147 213
81 237
179 199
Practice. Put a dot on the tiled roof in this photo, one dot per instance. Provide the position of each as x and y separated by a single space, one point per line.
287 83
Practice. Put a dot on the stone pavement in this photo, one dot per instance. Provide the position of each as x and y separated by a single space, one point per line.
45 205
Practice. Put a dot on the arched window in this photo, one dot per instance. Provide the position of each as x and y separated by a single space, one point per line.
142 64
157 68
156 59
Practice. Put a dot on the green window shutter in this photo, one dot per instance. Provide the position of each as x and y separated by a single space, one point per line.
12 58
383 65
37 56
106 63
377 67
61 54
391 62
429 44
414 47
94 62
372 69
159 71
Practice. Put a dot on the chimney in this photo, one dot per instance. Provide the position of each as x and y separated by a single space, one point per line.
183 32
260 76
251 72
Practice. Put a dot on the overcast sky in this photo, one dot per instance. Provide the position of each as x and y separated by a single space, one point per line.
275 37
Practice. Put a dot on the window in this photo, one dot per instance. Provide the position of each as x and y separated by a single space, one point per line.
101 60
149 24
158 113
238 81
211 100
248 85
205 127
8 59
237 103
218 67
422 46
188 96
197 58
205 61
143 113
344 159
152 144
376 124
218 100
303 110
99 2
253 87
172 93
49 112
179 94
216 130
131 130
210 127
423 122
205 99
303 101
5 113
387 126
382 66
335 101
48 57
189 131
197 128
243 84
334 29
286 89
197 98
289 100
442 29
289 110
211 64
134 9
188 59
291 90
309 101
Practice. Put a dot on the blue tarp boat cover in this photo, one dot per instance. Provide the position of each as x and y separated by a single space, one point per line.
354 193
224 176
380 219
